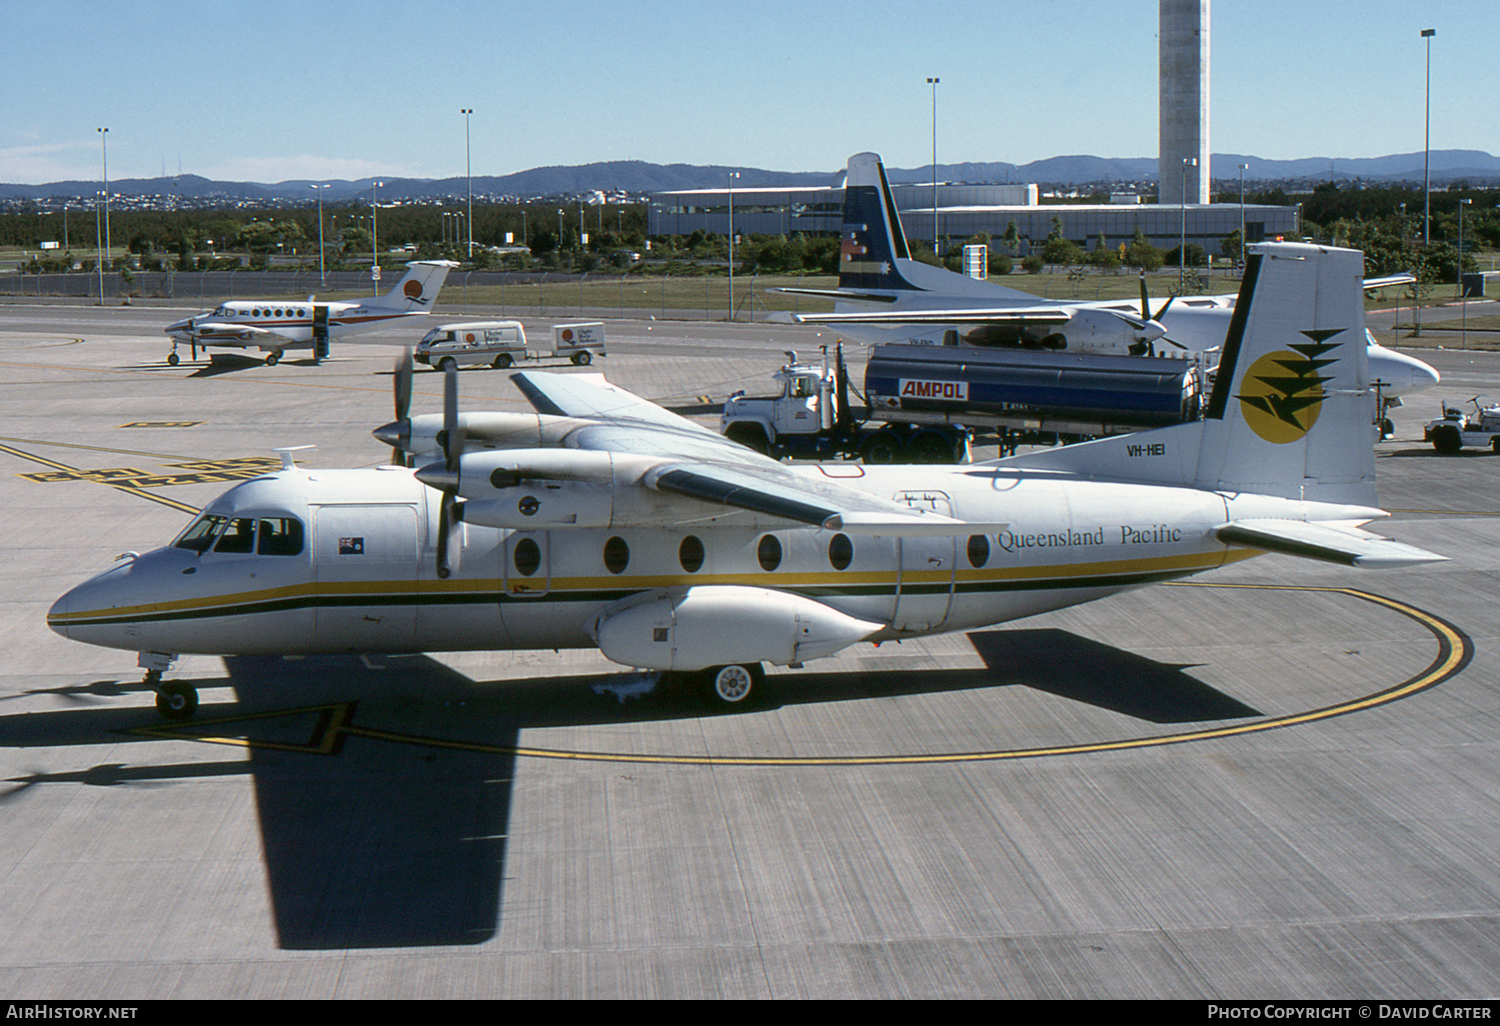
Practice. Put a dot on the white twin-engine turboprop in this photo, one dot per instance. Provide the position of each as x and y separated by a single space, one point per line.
276 325
603 520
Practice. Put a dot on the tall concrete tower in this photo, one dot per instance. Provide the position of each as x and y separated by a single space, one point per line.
1184 101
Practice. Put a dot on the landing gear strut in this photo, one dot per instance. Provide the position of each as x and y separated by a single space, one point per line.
175 700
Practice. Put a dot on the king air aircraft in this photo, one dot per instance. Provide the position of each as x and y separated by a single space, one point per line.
276 325
603 520
883 295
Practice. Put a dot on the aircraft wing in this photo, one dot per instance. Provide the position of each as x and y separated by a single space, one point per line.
216 331
1391 279
1334 544
1019 315
676 456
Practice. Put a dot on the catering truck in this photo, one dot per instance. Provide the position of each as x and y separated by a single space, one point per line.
924 403
503 343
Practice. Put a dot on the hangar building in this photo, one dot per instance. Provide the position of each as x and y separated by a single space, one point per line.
966 210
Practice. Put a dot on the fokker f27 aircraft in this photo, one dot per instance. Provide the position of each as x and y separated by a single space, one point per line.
275 325
603 520
885 295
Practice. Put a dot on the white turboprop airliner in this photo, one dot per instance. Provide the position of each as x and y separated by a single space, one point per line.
603 520
884 295
275 325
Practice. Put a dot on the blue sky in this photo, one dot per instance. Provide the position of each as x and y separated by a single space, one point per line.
275 90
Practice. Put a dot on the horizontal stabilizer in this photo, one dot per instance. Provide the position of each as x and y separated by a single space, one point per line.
1347 545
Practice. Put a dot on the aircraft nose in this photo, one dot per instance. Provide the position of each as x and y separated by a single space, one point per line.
57 616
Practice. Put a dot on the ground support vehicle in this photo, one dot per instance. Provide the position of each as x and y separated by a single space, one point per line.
501 344
925 402
1458 429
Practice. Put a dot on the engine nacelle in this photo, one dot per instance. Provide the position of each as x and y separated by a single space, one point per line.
712 625
541 505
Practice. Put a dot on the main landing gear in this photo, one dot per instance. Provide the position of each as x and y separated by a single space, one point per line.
175 699
735 686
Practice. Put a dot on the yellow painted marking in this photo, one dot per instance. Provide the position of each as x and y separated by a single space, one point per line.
1454 653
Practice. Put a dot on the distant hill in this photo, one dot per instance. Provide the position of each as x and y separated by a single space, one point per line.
639 178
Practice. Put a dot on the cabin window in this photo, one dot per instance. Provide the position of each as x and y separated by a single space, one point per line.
690 554
616 555
840 552
527 557
769 553
979 550
280 536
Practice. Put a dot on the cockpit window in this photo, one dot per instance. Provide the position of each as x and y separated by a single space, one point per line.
280 536
200 533
239 536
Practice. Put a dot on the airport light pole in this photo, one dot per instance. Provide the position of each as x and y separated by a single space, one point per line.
1427 34
374 240
104 251
1463 293
1187 162
936 249
322 274
732 176
469 175
1243 169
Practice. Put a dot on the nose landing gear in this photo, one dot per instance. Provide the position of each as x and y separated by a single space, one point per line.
175 699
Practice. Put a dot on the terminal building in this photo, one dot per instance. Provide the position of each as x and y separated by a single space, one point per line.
964 211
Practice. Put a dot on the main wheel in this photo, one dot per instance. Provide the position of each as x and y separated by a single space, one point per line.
176 700
273 358
732 685
173 359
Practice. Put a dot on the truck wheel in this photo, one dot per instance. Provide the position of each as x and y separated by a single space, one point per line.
1447 440
749 436
503 361
447 363
930 447
582 359
881 449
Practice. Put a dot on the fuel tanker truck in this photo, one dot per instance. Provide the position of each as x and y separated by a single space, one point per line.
923 404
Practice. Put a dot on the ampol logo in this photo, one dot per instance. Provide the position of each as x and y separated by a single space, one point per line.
948 391
567 336
412 290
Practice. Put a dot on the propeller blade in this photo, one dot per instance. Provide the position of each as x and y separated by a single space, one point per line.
1163 311
1145 300
453 441
401 385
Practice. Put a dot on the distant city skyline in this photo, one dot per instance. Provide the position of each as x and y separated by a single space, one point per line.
276 91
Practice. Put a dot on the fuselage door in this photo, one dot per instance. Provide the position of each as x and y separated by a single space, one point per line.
927 566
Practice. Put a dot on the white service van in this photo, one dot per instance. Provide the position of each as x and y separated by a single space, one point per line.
502 343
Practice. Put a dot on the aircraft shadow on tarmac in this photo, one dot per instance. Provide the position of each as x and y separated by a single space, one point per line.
370 843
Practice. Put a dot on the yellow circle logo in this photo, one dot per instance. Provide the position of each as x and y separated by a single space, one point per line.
1282 393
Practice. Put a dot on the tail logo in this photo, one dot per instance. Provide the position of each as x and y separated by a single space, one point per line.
1282 392
412 290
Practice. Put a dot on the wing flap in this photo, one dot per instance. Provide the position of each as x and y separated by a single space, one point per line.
1333 544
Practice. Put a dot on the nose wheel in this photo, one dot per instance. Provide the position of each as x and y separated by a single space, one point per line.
174 699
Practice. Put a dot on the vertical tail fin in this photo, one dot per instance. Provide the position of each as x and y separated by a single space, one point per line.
418 288
873 254
1292 412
